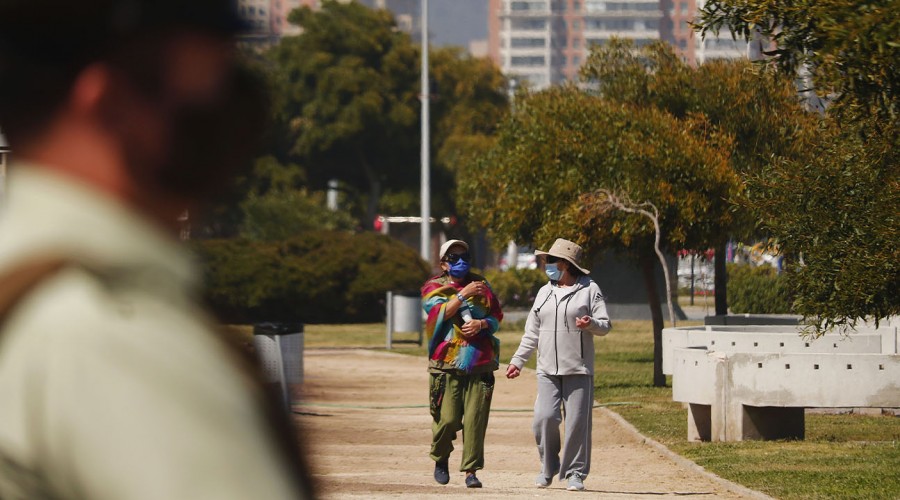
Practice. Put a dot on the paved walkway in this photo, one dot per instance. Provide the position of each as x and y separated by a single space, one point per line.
368 431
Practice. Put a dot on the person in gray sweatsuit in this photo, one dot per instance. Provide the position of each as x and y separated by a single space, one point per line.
568 312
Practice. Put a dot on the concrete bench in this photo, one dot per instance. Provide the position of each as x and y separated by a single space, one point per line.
735 396
776 339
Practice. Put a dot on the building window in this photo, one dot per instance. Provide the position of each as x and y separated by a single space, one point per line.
609 24
522 43
604 6
576 43
527 6
528 24
576 25
527 61
684 8
576 60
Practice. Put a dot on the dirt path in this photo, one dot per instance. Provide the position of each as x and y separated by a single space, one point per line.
365 416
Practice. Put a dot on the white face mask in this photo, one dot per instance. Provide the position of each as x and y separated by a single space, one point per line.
553 272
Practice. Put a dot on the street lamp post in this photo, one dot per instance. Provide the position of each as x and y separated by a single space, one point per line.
426 193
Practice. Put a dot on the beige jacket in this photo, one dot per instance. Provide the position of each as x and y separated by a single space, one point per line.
111 382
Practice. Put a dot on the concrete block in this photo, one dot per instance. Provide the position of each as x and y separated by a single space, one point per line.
738 396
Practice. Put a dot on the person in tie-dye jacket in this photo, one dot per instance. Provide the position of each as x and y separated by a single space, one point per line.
463 316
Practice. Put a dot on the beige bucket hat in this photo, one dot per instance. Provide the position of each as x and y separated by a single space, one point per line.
565 249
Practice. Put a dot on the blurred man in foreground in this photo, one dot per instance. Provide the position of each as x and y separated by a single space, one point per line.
114 384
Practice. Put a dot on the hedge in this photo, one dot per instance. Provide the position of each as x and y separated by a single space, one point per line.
757 290
319 277
516 288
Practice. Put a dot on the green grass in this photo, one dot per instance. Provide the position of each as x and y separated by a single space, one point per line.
843 456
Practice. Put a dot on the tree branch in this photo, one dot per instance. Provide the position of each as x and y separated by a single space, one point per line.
650 211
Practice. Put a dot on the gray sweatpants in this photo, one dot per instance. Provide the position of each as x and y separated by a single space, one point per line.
575 393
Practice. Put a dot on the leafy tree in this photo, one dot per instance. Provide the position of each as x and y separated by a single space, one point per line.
542 180
468 103
850 46
349 105
836 210
760 111
348 88
836 220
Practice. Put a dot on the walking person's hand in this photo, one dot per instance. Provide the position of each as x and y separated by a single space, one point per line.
583 322
471 328
474 288
513 371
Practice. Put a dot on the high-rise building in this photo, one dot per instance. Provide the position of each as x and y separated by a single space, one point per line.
268 19
545 41
407 14
718 46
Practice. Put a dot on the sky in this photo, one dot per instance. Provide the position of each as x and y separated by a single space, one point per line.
457 22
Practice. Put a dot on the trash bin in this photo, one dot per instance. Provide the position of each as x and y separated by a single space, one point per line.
280 350
404 314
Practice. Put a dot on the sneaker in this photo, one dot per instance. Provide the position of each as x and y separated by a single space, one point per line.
472 481
441 472
542 481
575 482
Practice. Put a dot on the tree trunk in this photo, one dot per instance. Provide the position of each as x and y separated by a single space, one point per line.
721 279
648 266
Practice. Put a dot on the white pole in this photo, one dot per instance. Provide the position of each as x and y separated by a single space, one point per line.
426 194
331 197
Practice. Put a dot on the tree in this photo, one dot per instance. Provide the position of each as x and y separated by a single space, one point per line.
470 100
851 47
541 179
349 107
759 110
836 220
834 211
348 89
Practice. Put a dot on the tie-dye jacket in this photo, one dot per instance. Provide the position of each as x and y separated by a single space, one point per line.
447 349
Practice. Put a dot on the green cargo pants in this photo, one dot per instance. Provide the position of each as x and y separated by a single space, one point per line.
460 401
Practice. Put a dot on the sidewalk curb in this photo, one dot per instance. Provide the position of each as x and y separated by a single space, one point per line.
684 462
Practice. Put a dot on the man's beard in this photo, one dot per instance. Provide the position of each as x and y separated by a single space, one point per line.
205 144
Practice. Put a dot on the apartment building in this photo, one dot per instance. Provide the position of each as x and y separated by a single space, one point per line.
407 13
268 19
544 42
718 46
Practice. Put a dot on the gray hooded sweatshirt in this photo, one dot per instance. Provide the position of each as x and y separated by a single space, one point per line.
563 348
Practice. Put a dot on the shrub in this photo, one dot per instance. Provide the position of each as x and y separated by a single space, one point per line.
757 290
516 287
319 277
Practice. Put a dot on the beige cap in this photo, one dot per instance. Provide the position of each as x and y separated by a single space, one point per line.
565 249
449 243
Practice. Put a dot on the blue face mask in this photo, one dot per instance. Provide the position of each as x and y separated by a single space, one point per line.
459 269
553 272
